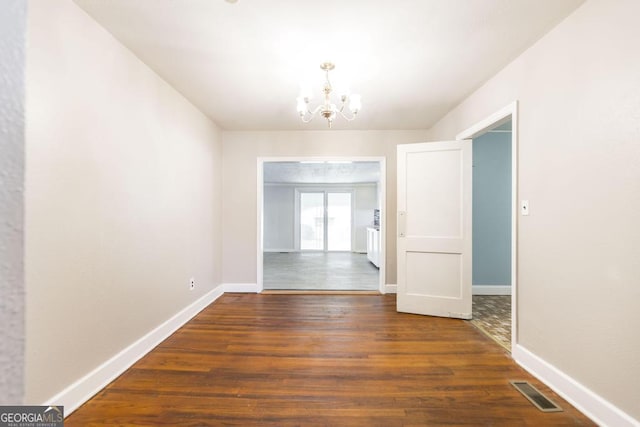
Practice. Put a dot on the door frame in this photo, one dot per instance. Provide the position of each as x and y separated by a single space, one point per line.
260 201
509 112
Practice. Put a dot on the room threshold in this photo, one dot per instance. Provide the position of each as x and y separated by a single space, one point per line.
316 292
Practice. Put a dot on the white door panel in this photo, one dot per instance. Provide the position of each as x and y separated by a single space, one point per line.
441 270
434 229
423 192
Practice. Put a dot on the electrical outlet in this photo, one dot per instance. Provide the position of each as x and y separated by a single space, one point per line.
192 283
524 207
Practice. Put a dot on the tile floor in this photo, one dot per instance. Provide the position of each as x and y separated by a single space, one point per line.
313 271
492 315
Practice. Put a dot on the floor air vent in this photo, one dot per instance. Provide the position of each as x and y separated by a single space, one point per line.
538 399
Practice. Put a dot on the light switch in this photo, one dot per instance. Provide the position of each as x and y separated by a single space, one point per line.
524 207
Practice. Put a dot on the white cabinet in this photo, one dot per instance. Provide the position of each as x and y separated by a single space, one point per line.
373 246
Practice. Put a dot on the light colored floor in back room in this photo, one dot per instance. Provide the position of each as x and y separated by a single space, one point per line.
492 315
326 271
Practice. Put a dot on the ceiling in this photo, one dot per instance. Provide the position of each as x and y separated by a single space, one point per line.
411 61
321 172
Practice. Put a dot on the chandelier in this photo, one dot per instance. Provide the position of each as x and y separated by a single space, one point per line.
327 109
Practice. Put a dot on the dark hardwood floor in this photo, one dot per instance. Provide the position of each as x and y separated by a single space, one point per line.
320 360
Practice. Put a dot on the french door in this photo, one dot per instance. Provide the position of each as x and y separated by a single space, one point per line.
325 220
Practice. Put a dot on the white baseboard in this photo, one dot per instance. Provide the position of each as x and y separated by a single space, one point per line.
82 390
601 411
241 287
475 290
490 290
280 250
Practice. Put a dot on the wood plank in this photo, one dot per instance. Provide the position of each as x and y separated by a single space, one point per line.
318 360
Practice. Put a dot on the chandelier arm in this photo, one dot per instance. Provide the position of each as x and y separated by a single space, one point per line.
310 114
347 118
306 120
344 116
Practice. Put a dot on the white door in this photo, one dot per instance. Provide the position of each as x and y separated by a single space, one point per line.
434 229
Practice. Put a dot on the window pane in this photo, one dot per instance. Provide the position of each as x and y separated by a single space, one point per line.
312 221
339 221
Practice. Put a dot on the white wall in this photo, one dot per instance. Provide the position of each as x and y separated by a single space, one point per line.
239 211
122 199
280 219
13 25
579 155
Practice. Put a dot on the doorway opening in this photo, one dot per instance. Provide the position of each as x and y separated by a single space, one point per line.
491 277
313 218
494 225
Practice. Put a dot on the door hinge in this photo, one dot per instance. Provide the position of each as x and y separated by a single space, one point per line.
402 223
